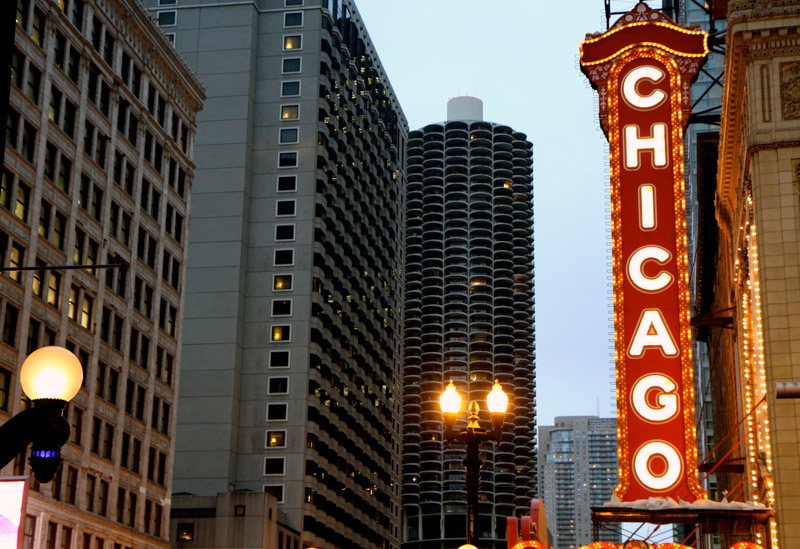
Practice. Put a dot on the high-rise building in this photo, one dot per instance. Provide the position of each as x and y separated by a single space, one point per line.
577 471
468 318
293 339
98 168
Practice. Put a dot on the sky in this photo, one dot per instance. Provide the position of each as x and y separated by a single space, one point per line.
521 58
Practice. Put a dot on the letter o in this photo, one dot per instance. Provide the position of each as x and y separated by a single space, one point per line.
641 465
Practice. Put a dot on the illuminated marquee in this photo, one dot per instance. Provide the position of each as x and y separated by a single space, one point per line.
642 68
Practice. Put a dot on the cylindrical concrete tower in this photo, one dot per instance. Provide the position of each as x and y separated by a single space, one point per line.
469 317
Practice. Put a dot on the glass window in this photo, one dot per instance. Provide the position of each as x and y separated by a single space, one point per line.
287 160
277 411
279 359
284 257
281 333
278 386
289 135
287 183
291 65
284 232
293 42
167 18
290 112
281 307
293 19
276 439
290 88
274 466
282 282
285 207
294 3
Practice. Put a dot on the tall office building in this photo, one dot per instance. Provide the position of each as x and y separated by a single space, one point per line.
577 471
468 318
292 355
98 167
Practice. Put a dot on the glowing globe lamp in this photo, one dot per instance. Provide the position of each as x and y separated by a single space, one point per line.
450 401
51 373
497 400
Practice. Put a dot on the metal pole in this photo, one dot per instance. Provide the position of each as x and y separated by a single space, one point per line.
472 463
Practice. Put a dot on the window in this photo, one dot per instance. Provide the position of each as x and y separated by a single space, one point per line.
293 19
293 42
289 135
293 3
284 232
285 207
290 112
274 466
279 359
284 257
282 282
276 490
276 439
287 183
292 65
277 411
278 386
281 333
281 307
9 334
291 88
287 160
5 387
185 531
167 18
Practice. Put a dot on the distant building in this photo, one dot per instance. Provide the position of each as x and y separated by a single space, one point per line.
236 520
293 347
469 318
577 471
98 169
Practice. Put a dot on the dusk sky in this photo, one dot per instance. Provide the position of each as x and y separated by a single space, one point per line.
521 58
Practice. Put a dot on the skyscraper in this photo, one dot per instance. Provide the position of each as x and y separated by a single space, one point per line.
294 287
468 318
577 471
98 168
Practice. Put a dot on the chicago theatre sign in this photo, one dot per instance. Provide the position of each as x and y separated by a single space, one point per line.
642 68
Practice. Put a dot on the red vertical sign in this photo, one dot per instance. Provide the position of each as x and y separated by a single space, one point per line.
642 68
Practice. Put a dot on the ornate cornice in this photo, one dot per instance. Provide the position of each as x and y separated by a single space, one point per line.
752 10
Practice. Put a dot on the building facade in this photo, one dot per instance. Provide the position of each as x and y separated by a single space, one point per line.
752 264
239 520
293 339
468 318
98 169
577 471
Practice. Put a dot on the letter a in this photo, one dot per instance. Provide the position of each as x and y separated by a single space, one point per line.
652 332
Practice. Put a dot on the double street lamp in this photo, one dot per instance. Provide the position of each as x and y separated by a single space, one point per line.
472 436
50 377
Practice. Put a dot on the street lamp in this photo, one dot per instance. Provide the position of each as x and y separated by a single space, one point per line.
472 436
50 377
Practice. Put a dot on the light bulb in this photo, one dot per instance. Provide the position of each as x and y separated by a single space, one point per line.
51 372
497 400
450 401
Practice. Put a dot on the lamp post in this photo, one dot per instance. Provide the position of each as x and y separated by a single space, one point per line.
472 436
50 377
